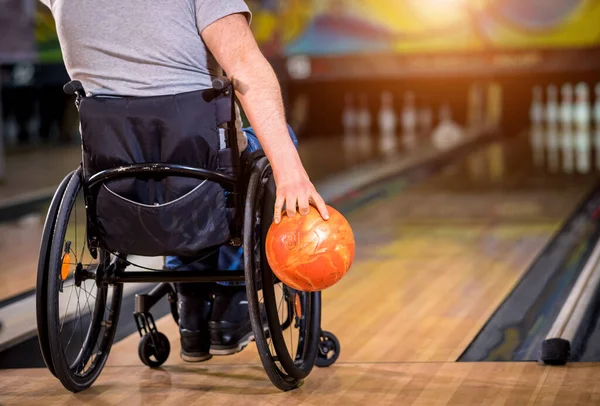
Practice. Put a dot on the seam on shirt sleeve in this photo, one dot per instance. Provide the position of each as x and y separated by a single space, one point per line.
209 11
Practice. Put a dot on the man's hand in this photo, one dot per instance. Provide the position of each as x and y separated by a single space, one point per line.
296 191
233 45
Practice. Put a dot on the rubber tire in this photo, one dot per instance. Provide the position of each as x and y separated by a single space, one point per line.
41 293
312 303
146 349
282 380
63 372
322 360
312 326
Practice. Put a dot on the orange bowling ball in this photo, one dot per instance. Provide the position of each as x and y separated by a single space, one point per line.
308 253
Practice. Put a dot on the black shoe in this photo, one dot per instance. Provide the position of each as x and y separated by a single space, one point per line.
230 328
195 346
194 310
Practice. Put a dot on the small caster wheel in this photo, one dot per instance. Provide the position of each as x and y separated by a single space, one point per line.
154 349
329 350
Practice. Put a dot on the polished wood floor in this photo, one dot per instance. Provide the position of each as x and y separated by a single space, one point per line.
508 384
19 250
417 292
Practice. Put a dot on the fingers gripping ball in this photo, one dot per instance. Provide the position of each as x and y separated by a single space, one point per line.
308 253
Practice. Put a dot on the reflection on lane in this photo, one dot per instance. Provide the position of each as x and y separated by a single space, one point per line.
19 246
441 255
497 184
566 149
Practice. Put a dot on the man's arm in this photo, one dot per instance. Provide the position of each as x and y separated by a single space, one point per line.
232 43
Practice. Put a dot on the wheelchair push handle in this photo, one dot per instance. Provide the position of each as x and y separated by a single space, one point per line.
74 87
221 83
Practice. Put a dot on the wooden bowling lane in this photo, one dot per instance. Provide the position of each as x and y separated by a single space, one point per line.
434 260
420 298
32 174
19 250
432 265
37 172
345 384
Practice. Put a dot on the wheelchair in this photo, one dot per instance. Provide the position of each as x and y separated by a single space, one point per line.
87 264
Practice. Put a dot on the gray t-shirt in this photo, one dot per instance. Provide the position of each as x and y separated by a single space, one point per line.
139 47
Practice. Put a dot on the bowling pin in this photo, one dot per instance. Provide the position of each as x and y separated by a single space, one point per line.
409 113
583 144
409 120
552 114
364 125
536 111
597 106
350 123
582 110
537 145
566 106
597 146
582 117
447 134
387 124
568 149
553 148
349 115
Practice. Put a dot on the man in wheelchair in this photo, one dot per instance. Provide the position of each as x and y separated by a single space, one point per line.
165 55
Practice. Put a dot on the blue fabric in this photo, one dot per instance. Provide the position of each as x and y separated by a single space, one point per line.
231 258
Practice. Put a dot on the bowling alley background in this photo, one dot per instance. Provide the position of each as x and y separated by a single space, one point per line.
461 140
342 27
440 50
323 49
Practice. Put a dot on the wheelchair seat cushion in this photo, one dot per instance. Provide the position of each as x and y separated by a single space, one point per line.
158 215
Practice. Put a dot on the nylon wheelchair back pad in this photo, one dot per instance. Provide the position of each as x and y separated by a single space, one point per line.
157 216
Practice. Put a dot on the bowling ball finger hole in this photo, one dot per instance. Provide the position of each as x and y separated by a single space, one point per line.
290 241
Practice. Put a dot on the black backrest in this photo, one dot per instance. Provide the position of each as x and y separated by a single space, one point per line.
167 215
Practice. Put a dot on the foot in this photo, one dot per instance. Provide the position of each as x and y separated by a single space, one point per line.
194 310
195 346
230 328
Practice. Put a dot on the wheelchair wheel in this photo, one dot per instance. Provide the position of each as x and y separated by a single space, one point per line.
42 274
80 316
286 322
329 350
154 349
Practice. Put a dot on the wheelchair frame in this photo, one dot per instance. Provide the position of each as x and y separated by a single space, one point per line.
115 274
